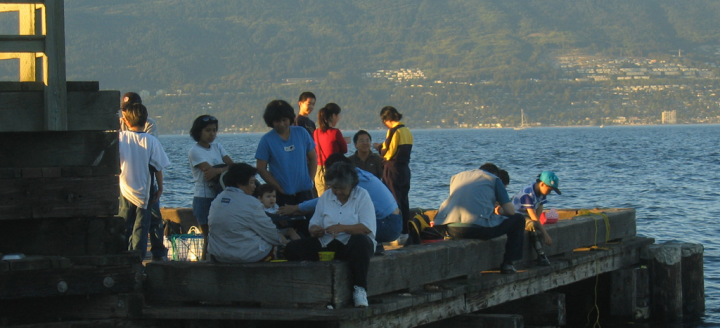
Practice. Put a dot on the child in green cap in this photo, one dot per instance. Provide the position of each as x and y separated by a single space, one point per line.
529 202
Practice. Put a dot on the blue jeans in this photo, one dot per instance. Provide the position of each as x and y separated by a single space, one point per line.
157 229
137 225
513 227
201 209
389 228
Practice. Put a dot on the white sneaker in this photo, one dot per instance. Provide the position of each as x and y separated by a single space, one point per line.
360 297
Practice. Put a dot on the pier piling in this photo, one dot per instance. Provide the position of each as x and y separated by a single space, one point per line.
664 263
693 283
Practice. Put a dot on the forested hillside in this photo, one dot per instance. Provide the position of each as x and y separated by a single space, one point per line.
230 57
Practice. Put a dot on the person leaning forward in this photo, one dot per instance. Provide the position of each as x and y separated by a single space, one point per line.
469 212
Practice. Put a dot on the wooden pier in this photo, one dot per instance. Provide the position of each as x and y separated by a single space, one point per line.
59 168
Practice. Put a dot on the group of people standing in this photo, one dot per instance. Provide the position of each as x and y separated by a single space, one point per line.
352 204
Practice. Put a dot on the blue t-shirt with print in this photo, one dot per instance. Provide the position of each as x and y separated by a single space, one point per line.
287 159
526 199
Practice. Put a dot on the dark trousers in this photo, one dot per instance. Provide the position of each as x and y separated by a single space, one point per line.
396 177
513 227
357 252
157 228
137 225
300 226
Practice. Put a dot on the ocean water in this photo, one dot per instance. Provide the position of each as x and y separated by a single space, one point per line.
669 174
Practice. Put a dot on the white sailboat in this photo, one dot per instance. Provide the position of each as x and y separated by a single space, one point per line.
522 126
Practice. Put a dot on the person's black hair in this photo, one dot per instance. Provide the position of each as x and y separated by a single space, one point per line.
305 95
491 168
359 133
200 123
277 110
341 175
335 158
504 177
325 114
264 189
239 174
135 114
389 113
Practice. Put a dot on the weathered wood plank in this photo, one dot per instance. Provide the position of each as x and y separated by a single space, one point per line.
68 308
64 237
395 271
72 86
480 321
23 1
38 263
73 281
181 216
544 309
59 197
86 110
303 282
22 43
60 149
56 98
459 296
93 110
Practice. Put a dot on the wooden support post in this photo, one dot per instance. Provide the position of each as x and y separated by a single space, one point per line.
642 289
629 294
54 66
664 263
27 27
480 321
546 309
693 283
623 295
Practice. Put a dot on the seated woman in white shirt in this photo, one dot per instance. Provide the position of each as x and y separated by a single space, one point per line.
240 231
344 223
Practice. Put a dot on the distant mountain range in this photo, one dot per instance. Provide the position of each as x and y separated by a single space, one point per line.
257 46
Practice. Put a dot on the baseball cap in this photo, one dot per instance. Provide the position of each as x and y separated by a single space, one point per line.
130 98
550 179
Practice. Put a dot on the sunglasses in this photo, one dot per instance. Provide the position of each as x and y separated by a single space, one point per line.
209 118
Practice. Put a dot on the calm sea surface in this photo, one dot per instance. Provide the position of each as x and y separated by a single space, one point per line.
669 174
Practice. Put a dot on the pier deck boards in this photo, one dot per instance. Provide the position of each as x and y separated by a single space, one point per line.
317 284
437 301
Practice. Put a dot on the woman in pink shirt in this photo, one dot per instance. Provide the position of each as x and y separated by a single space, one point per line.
328 140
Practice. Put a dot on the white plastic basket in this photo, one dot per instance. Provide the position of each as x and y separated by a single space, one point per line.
186 247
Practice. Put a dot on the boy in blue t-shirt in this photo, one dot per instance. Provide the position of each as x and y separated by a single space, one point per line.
529 202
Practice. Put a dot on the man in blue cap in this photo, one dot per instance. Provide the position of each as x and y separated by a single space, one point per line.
529 202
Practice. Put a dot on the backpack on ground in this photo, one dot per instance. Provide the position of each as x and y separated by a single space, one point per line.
420 231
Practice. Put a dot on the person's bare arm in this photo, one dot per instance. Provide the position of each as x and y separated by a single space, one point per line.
507 209
158 193
535 216
267 176
227 160
209 171
316 230
311 162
